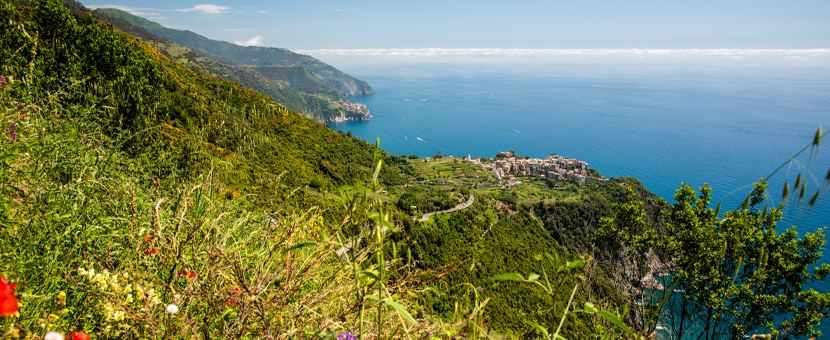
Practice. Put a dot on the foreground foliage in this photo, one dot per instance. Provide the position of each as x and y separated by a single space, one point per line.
140 199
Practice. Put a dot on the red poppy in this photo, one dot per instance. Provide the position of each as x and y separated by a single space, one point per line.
235 290
21 116
229 303
190 275
147 239
79 336
8 303
151 250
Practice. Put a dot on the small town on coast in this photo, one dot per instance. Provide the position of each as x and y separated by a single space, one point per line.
506 168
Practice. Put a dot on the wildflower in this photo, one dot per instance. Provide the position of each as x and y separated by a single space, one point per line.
229 303
346 336
79 336
172 309
313 234
53 336
61 298
8 303
2 80
235 290
151 251
147 239
191 275
21 116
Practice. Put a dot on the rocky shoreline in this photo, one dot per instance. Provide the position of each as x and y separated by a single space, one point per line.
351 112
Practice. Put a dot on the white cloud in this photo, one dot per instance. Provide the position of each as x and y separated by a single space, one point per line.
262 11
337 10
207 8
255 41
769 57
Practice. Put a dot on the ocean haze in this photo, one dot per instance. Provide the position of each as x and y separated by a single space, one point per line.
683 58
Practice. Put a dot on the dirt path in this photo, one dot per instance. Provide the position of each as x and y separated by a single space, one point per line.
464 205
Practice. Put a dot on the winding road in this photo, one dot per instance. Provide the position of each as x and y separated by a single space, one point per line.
464 205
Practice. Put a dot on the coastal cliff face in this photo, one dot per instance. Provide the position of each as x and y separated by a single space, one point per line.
355 87
348 114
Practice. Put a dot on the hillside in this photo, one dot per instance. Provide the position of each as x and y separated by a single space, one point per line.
248 55
295 87
121 159
140 199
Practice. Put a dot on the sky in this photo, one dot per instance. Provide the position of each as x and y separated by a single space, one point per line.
340 29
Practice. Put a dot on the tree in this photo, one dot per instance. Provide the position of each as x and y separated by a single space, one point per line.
438 155
733 276
349 134
413 156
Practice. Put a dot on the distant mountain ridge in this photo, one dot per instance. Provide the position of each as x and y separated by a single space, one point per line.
248 55
302 83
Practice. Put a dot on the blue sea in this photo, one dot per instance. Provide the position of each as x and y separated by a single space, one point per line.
665 126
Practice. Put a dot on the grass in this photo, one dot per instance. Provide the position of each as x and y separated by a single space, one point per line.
99 244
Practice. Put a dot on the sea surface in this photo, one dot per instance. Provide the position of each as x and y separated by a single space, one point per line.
664 126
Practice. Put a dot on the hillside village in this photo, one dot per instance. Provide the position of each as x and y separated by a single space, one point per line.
552 167
506 166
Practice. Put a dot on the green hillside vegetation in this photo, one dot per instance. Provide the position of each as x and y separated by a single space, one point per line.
295 87
141 199
248 55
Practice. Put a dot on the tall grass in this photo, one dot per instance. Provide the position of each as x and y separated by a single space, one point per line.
98 243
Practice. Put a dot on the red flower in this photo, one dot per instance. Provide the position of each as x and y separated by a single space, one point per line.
190 275
79 336
235 290
147 239
21 116
8 303
229 303
151 251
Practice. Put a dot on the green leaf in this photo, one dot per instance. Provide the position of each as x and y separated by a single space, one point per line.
589 307
321 335
541 329
301 245
377 171
575 264
616 321
388 225
373 297
507 277
372 275
337 199
532 276
401 310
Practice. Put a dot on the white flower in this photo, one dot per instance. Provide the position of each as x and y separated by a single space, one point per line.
172 309
53 336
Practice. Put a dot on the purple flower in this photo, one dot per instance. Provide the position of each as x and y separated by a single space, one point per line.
313 234
346 336
3 80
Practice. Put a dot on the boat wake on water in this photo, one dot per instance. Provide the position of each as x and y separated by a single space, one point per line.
419 138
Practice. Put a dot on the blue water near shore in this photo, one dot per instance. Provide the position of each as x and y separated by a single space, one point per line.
727 128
